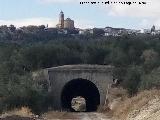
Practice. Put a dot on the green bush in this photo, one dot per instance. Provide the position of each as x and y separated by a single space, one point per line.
150 80
132 80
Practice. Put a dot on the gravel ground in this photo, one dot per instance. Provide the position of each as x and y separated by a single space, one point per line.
63 116
16 118
77 116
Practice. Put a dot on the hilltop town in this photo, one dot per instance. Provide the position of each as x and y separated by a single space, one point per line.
67 27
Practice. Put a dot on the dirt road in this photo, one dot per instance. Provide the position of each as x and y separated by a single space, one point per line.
77 116
62 116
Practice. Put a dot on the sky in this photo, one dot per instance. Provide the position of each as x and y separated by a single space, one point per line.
38 12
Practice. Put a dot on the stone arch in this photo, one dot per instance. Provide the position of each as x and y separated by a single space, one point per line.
80 87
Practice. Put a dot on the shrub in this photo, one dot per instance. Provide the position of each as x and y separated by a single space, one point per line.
132 79
150 80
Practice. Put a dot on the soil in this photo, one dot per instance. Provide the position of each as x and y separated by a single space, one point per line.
16 118
76 116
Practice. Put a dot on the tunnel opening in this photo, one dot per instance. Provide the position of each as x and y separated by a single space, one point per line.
80 87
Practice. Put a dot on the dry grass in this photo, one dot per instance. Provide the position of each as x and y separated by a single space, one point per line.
117 92
23 112
122 110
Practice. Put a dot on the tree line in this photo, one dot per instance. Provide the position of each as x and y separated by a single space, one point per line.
136 59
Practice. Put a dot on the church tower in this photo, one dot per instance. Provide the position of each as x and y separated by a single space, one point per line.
61 20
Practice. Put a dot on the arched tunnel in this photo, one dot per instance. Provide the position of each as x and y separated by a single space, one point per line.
80 87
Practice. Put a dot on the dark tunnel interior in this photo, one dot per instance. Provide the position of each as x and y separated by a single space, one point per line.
80 87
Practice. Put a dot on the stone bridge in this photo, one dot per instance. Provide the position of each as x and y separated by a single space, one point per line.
69 81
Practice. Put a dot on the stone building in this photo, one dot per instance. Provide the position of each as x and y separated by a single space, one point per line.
69 24
65 24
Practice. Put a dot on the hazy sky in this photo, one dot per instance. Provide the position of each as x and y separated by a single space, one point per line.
36 12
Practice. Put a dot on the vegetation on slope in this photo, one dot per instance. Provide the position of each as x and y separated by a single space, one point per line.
136 59
144 106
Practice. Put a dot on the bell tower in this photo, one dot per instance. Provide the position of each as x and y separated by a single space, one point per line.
61 19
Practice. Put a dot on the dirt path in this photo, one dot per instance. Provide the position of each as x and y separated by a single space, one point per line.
77 116
16 118
62 116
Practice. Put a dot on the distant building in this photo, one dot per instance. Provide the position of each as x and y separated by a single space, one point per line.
65 24
61 21
153 29
69 24
145 31
85 31
46 27
109 31
81 32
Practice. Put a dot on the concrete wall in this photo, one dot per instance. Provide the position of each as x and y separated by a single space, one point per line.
58 77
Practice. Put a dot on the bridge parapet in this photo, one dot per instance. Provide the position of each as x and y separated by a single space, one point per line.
99 68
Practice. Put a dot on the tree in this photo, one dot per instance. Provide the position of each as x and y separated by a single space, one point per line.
12 28
151 80
118 57
151 59
132 79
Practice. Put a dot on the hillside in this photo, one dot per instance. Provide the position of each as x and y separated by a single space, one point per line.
144 106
